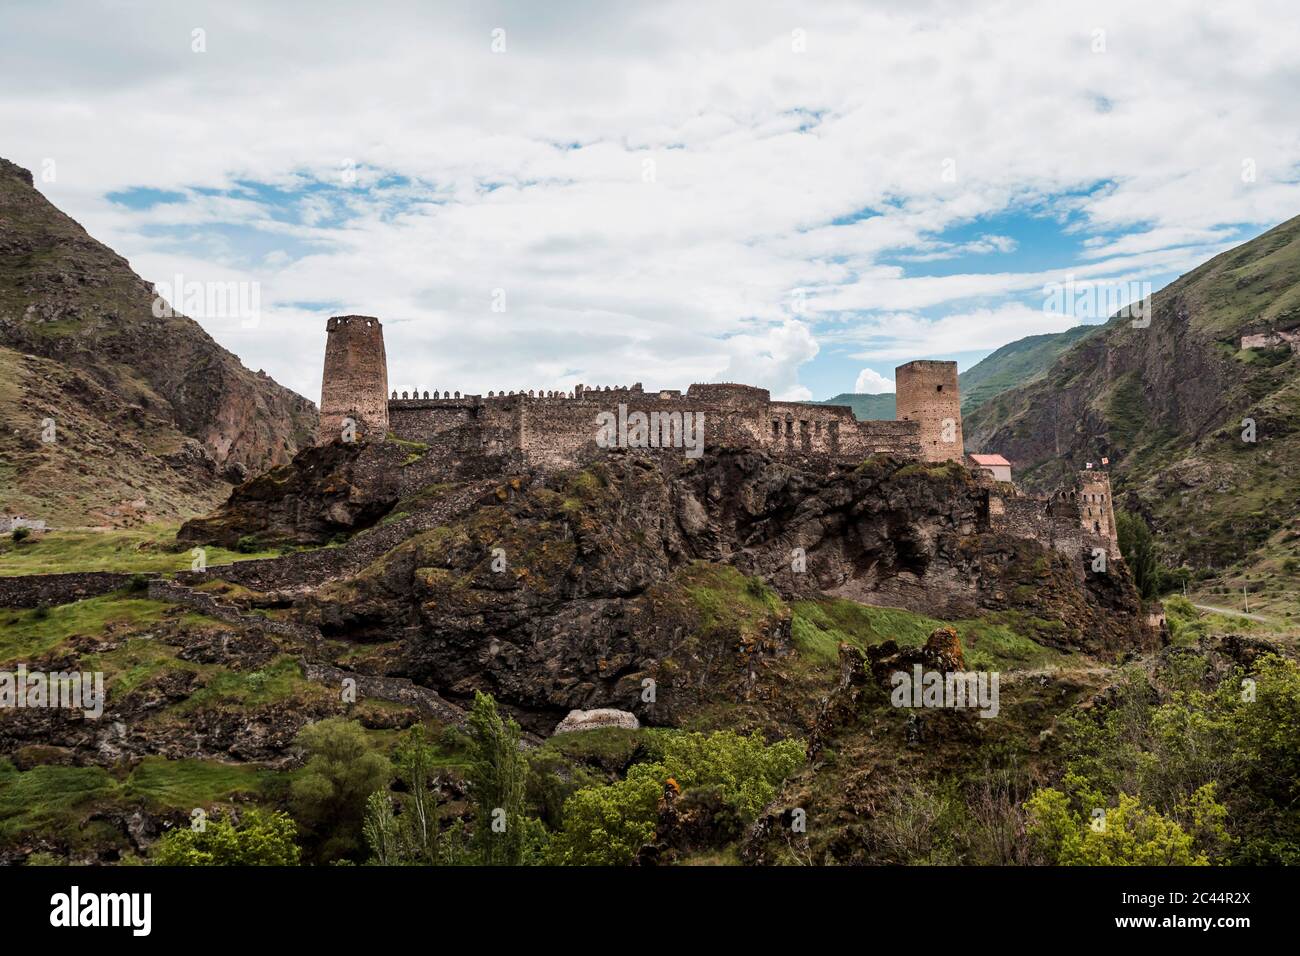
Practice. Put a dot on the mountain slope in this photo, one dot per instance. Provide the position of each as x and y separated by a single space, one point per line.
1167 405
1015 364
152 416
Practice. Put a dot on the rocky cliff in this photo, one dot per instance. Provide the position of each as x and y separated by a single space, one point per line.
156 417
572 591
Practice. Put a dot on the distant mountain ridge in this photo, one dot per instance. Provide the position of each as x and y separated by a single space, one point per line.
113 414
1015 364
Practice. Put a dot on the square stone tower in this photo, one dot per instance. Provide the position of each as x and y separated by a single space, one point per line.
355 384
927 394
1097 512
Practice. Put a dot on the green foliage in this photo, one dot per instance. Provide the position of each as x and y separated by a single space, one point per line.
1162 744
247 544
607 825
411 837
328 797
1126 835
497 777
261 838
21 534
1136 545
746 770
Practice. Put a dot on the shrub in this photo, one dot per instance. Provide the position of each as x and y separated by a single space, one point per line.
248 544
261 838
21 534
1126 835
608 825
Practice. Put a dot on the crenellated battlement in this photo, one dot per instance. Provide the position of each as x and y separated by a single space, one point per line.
558 427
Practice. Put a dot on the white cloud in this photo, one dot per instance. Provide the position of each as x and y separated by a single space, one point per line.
871 382
773 170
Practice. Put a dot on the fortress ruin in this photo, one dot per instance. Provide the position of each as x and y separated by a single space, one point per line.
460 434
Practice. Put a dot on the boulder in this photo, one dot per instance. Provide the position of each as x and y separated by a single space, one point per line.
595 719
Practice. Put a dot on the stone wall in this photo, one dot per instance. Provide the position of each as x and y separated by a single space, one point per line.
1272 340
928 395
1052 522
50 590
554 430
355 381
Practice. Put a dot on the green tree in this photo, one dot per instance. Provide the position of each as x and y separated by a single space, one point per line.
606 826
498 774
1138 548
329 796
382 831
745 769
410 837
262 838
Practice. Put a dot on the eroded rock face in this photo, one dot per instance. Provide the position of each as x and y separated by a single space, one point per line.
319 495
595 719
572 591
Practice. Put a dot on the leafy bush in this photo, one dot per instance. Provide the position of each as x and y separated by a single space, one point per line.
1126 835
21 534
247 544
1163 743
607 825
261 838
329 796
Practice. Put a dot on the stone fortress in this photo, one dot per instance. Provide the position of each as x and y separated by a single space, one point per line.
538 429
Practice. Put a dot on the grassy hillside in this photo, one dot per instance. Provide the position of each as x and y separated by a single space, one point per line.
1016 364
139 438
865 407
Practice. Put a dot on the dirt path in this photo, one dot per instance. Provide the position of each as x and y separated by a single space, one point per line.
1232 613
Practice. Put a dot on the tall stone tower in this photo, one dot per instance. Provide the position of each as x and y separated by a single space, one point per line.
355 383
927 394
1097 512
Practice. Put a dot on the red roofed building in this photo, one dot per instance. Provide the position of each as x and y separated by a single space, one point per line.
995 465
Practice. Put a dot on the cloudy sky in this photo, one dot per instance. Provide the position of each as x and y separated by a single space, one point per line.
798 196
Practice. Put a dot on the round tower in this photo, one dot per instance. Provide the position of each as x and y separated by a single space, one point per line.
355 384
927 394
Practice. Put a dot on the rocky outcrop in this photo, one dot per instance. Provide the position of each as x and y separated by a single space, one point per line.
72 302
317 497
638 584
